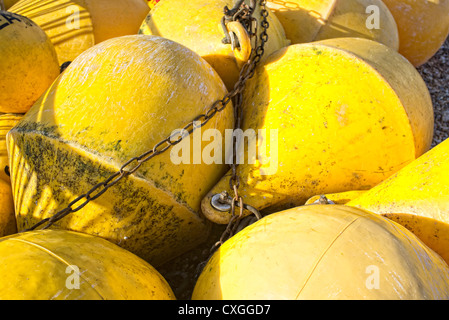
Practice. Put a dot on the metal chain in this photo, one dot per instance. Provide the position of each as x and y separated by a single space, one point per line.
134 164
238 221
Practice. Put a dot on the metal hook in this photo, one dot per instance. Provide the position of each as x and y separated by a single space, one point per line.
223 202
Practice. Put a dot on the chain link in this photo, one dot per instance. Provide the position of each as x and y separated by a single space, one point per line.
237 221
246 73
201 120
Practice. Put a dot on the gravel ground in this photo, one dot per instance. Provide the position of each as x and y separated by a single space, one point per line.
436 74
181 272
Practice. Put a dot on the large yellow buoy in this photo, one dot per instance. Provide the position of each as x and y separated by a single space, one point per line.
417 197
423 27
7 122
330 116
7 218
152 3
64 265
115 102
76 25
312 20
323 252
197 25
28 63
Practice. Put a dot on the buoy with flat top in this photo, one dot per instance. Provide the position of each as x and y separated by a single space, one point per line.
329 116
114 103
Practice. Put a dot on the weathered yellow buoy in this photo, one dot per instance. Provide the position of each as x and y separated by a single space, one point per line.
7 218
323 252
64 265
7 122
312 20
28 63
76 25
423 27
417 197
197 25
113 103
330 116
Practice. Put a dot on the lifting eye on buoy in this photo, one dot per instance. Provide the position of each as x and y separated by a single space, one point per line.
240 42
222 202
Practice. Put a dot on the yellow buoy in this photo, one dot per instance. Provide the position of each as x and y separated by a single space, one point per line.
417 197
323 252
115 102
423 27
330 116
7 122
312 20
197 25
7 218
28 63
64 265
76 25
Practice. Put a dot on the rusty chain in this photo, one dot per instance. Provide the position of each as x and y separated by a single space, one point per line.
238 222
244 15
134 164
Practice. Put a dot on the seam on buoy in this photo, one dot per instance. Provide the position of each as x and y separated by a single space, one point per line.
58 258
323 254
